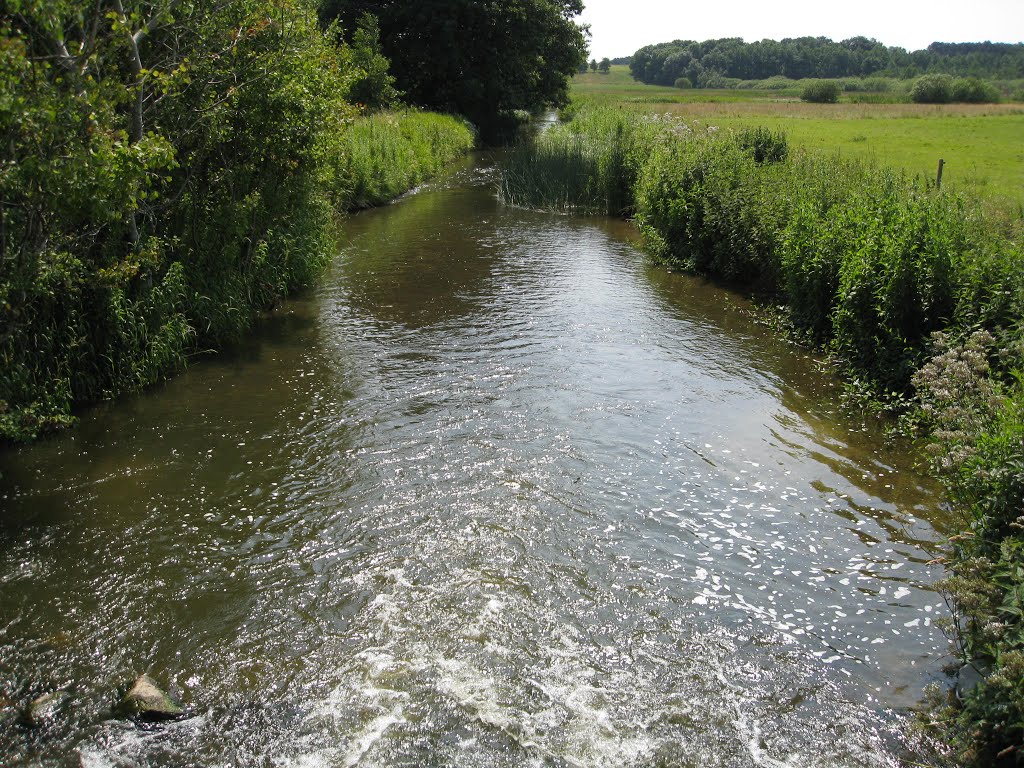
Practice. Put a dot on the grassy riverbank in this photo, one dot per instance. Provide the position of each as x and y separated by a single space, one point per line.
152 214
918 293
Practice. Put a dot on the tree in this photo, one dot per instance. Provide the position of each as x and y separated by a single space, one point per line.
605 66
484 59
593 65
374 86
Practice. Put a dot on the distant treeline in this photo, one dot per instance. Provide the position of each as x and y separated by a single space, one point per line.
705 63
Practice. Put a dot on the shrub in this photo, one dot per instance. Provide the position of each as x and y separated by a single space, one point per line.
821 92
135 239
932 89
971 90
683 83
764 145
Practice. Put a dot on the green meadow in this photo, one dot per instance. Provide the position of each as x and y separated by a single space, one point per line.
982 144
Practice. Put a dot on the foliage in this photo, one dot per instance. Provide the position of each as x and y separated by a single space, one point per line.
820 57
932 89
763 144
167 173
821 92
373 85
979 453
588 165
971 90
484 60
683 83
391 152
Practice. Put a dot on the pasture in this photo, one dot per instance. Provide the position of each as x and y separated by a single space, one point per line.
982 144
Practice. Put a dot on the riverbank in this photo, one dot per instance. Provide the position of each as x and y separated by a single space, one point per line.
919 295
76 330
151 213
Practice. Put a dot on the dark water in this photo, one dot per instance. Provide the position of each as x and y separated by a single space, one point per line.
499 494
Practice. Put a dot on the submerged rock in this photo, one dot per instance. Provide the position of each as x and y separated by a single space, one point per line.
147 700
47 707
967 680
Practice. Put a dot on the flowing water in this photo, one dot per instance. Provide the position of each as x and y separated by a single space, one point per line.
498 493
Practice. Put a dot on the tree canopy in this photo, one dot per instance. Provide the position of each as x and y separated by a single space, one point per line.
480 58
706 62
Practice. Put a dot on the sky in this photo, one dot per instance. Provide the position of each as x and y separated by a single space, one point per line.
620 27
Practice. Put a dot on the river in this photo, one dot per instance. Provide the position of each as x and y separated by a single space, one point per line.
498 492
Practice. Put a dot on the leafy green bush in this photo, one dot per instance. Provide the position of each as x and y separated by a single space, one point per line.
971 90
974 422
683 83
932 89
821 92
764 145
150 214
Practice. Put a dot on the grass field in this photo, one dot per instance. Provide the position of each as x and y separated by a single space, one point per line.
982 144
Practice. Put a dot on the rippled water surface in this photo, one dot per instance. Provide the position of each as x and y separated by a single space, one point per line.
499 493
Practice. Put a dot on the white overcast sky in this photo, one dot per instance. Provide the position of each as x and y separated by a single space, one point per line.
620 27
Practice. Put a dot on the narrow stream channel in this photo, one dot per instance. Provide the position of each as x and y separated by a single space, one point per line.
498 493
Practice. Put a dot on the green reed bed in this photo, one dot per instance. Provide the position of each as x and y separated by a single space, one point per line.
588 165
919 295
389 153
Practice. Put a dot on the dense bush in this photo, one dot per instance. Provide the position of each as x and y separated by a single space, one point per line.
932 89
821 92
683 83
152 210
971 90
764 145
974 415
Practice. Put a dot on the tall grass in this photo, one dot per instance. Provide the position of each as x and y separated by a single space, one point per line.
880 269
588 165
389 153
